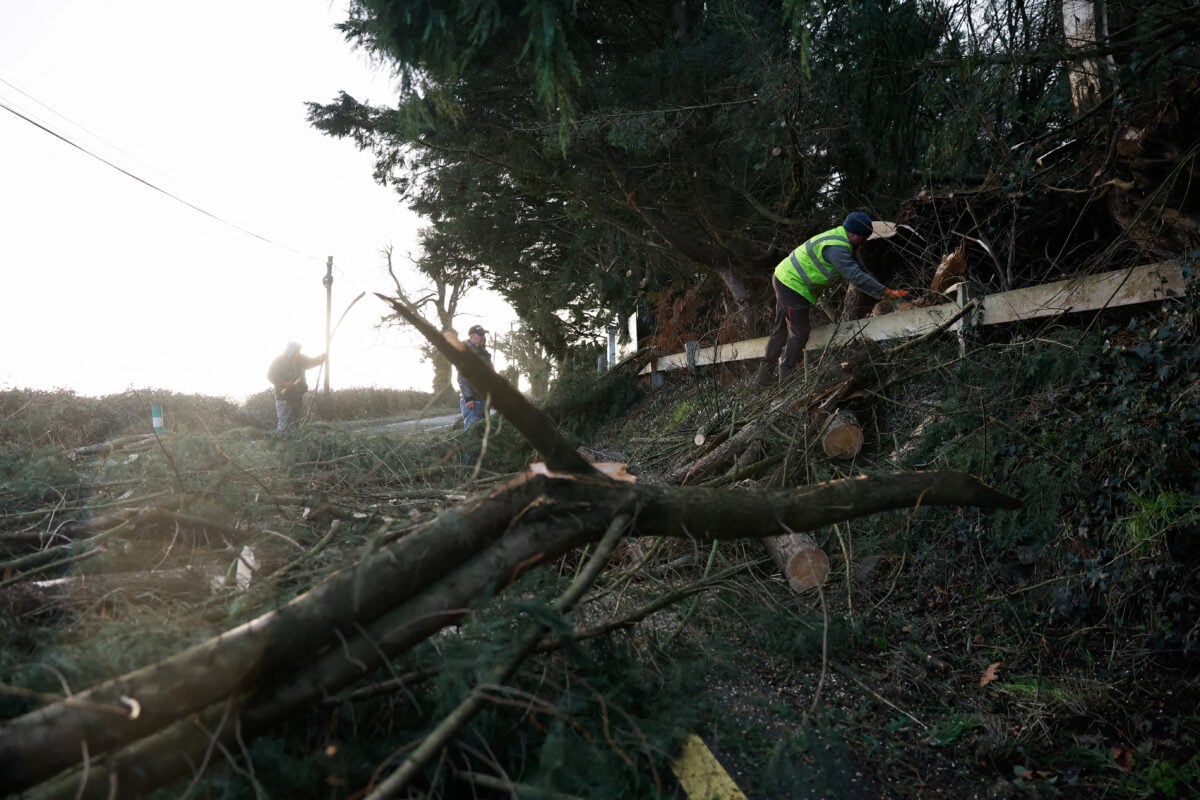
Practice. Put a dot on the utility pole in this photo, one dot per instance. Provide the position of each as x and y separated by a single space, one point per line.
328 281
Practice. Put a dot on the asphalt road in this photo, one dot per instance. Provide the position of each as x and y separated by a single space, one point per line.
427 422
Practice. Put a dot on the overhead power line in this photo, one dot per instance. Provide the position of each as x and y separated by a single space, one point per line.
147 183
62 116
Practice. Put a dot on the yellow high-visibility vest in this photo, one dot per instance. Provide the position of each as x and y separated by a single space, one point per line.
806 271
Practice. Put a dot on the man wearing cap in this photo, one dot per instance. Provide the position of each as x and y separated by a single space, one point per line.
286 374
799 280
472 405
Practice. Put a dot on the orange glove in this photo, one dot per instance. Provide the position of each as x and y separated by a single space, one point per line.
892 294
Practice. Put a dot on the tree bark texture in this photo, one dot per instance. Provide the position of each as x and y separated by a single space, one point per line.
1086 73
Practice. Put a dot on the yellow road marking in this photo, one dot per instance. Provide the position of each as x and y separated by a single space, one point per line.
701 775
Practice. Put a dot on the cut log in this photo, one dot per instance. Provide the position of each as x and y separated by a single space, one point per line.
137 442
719 457
802 560
842 436
715 429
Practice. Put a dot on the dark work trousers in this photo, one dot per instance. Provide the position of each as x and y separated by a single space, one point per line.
792 325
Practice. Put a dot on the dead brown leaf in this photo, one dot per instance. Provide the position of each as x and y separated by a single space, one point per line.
990 674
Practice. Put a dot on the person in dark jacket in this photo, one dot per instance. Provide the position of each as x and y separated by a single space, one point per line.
471 404
286 374
799 280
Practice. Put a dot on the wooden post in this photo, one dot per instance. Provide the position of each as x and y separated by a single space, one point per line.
328 281
965 292
691 348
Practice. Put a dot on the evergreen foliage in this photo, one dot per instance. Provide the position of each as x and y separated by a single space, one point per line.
582 401
582 157
585 157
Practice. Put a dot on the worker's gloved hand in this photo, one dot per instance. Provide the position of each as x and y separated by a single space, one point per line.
892 294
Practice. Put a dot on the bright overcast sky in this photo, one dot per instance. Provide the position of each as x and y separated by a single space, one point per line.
110 284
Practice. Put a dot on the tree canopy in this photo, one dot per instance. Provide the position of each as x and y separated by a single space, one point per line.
584 156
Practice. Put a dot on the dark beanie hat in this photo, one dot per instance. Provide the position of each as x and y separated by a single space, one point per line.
858 222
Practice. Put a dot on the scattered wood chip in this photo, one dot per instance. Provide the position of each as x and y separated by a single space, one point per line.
613 469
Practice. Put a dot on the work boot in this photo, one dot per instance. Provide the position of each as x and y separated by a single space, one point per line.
766 374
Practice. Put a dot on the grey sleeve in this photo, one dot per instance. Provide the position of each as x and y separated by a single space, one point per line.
852 270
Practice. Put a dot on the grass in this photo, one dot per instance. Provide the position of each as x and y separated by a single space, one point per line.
1156 514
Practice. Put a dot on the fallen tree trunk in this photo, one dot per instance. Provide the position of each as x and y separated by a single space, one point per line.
406 591
531 421
175 751
134 443
33 747
163 719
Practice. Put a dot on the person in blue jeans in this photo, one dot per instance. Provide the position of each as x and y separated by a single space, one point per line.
286 375
471 404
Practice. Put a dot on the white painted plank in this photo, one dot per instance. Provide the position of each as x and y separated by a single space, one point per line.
1123 287
1145 284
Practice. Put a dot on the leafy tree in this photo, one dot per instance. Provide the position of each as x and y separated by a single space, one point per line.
527 357
449 279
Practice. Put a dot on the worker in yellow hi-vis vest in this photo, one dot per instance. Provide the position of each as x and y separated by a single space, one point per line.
801 277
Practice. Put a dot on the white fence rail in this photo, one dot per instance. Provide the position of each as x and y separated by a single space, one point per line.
1123 287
